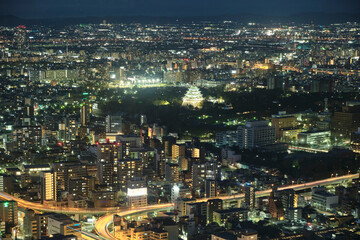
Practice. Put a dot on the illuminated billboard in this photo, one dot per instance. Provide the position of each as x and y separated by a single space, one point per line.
135 192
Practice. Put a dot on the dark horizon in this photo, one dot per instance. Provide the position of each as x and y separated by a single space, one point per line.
301 18
42 9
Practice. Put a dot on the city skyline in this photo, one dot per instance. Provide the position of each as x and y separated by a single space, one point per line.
227 127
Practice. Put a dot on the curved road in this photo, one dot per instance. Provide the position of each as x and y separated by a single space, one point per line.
48 208
101 225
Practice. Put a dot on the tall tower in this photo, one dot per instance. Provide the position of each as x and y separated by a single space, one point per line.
9 212
210 188
250 196
107 158
48 186
85 114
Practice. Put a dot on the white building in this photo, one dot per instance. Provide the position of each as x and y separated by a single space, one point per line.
314 137
226 138
323 200
178 191
137 193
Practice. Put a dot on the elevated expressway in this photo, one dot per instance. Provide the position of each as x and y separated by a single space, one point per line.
101 225
49 208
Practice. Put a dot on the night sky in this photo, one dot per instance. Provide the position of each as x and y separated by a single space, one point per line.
80 8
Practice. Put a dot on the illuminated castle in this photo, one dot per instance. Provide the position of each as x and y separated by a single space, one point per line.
193 97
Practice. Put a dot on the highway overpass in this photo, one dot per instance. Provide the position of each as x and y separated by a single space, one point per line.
102 224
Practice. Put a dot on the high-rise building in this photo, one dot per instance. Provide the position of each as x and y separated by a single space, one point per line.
285 126
146 154
6 183
347 121
201 172
102 199
168 142
78 187
127 170
183 163
9 212
226 138
250 196
113 124
172 172
60 169
276 208
107 159
255 134
180 205
355 141
293 214
210 188
48 186
160 161
66 171
288 198
178 150
212 206
70 128
85 114
74 171
42 225
196 152
124 150
323 200
25 180
197 212
134 141
29 224
26 137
